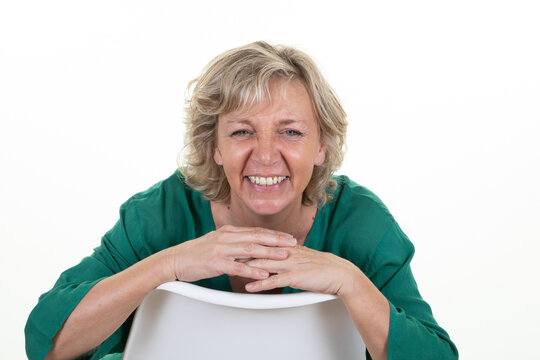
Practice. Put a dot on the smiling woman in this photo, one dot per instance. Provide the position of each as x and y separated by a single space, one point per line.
240 81
254 208
278 138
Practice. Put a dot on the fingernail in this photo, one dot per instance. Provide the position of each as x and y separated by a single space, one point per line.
281 253
262 273
291 241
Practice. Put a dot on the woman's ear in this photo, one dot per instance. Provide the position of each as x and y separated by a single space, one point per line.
217 156
321 155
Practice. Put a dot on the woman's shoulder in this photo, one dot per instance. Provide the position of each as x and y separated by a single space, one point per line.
165 214
349 196
170 189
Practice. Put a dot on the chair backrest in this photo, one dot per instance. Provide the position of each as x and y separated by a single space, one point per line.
184 321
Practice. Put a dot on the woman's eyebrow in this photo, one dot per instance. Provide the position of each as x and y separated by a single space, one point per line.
299 122
239 121
290 121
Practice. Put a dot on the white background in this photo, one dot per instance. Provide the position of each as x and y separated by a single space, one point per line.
443 104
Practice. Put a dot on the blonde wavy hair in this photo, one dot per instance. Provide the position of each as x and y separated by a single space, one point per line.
237 80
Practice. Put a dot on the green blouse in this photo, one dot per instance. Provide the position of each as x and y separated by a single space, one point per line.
354 225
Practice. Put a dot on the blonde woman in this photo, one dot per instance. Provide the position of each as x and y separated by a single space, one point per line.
255 207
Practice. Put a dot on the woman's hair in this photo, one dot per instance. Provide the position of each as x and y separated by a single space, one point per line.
236 81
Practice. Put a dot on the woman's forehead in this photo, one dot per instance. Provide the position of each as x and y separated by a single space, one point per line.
282 97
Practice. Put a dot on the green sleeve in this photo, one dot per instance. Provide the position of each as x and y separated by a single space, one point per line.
414 333
162 216
115 254
357 226
120 248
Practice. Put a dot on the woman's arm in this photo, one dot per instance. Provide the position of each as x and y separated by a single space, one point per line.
311 270
386 307
106 306
112 300
369 310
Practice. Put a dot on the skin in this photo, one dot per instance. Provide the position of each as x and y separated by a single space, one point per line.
259 234
279 137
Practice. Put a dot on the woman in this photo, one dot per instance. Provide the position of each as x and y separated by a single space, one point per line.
255 209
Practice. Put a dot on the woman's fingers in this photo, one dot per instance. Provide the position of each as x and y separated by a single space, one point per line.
255 251
217 253
234 268
305 269
273 266
260 236
272 282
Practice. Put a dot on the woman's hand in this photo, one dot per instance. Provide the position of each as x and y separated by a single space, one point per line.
307 269
316 271
226 251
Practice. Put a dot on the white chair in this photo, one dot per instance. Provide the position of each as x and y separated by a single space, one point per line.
183 321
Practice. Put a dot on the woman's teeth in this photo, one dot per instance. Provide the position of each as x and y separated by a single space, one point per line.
266 181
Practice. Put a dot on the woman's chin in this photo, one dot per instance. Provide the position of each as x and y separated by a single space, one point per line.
267 207
266 210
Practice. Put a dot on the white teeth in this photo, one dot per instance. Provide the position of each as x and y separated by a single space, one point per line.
266 181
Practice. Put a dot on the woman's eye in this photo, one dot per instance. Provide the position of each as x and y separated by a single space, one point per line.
240 133
292 132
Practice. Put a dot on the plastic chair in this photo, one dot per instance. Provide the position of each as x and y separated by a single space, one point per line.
184 321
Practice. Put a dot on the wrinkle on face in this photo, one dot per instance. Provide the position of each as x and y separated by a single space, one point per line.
278 137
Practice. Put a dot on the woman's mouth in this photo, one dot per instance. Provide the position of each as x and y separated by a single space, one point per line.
266 181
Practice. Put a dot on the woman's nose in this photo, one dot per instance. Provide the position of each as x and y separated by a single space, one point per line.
266 150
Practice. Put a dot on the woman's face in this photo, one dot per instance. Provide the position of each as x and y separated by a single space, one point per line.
268 153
